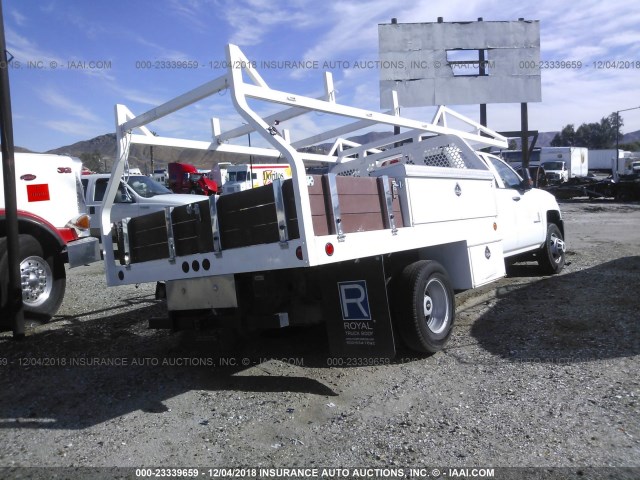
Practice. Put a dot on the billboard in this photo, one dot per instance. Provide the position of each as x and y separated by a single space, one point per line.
459 63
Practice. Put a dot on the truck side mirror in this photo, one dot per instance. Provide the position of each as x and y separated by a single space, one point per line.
123 195
526 184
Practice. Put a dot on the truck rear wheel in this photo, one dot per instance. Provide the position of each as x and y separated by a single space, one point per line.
424 306
551 256
43 278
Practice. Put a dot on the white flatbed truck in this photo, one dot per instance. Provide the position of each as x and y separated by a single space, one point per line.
375 247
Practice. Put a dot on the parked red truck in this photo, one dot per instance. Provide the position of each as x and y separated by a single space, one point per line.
185 178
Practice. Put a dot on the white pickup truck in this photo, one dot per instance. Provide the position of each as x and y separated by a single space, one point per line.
375 248
139 195
53 231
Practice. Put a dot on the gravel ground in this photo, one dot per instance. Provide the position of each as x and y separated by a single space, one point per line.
540 372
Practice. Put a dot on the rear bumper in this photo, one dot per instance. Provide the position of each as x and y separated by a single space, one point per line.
83 251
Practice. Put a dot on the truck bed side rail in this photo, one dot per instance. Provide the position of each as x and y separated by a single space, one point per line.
339 205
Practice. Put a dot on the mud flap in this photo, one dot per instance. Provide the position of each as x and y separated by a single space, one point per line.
356 309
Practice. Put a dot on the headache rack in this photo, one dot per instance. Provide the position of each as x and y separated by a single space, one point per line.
361 206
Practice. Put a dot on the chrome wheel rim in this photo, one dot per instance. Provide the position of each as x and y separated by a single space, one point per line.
435 306
557 248
37 281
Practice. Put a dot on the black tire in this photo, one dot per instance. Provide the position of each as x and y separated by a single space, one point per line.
551 257
44 278
424 308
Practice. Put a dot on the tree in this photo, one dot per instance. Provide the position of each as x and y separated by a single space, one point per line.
93 161
597 135
566 137
630 147
611 128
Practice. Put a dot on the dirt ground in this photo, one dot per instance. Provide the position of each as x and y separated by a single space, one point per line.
541 372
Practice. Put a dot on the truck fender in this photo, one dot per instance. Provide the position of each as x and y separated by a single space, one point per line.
49 236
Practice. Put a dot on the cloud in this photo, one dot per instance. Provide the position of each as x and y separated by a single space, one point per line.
256 21
192 12
252 22
353 25
624 38
48 8
589 31
134 95
67 106
26 51
74 129
89 28
162 52
350 20
70 117
18 18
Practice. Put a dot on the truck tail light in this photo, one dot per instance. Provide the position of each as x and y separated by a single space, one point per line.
328 249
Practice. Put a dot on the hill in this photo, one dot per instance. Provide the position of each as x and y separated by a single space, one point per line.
630 137
17 149
21 150
99 154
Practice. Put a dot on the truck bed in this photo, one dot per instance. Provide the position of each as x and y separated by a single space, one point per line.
257 230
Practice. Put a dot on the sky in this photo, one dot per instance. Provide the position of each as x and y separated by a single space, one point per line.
73 60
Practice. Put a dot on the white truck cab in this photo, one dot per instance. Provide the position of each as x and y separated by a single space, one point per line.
523 213
557 171
53 231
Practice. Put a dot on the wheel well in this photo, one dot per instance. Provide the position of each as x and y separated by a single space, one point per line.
51 243
553 216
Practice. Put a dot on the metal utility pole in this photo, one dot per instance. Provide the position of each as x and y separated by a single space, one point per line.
396 128
250 161
482 72
14 290
153 168
524 127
